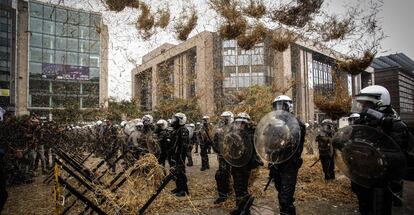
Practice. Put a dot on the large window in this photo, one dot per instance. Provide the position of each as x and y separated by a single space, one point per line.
5 56
322 76
406 89
243 68
61 41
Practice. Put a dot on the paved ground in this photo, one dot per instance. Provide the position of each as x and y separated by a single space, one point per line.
36 198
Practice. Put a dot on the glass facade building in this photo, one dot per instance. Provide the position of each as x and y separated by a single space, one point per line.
243 68
7 29
64 57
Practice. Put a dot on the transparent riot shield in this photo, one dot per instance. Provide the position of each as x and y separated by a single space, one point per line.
277 137
236 148
367 156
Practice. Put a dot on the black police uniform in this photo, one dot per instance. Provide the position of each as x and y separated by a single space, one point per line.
378 200
326 154
180 140
285 175
223 172
204 145
241 175
164 141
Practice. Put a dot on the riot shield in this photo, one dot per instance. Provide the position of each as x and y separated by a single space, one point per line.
236 147
368 156
277 137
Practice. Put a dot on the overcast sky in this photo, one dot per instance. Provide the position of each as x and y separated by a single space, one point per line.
127 48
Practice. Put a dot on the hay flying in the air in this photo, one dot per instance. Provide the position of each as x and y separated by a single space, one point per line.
335 103
255 9
297 15
186 24
145 22
253 36
119 5
163 19
354 65
281 39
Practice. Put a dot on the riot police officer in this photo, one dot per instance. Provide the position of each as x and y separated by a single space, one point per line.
326 155
241 173
352 118
189 149
205 143
180 140
164 141
285 174
147 140
223 172
377 112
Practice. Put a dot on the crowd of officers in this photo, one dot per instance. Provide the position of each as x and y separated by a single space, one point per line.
173 142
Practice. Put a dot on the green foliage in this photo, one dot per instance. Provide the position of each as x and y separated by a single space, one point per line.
256 101
167 108
116 112
123 109
69 115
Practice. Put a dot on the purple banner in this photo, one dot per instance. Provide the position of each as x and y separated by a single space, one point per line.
65 72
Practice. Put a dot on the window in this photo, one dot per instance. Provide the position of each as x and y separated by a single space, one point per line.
84 19
72 58
48 42
83 59
73 31
90 89
94 46
93 73
83 45
95 20
72 45
36 40
83 32
36 10
257 60
61 15
229 60
36 25
49 13
35 68
229 43
73 17
61 43
48 27
48 56
94 60
60 57
243 60
39 101
36 54
94 34
61 30
90 102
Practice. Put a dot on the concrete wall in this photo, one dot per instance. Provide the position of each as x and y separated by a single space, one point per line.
203 43
103 77
22 76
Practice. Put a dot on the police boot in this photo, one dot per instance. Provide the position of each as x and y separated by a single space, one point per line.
287 210
182 193
174 191
220 199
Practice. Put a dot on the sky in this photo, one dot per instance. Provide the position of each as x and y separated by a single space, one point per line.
126 48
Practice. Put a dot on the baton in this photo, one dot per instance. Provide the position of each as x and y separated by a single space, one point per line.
268 183
315 163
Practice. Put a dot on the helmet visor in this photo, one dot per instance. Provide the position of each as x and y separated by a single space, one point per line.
281 105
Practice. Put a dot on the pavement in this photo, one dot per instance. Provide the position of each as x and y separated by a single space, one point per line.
36 198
